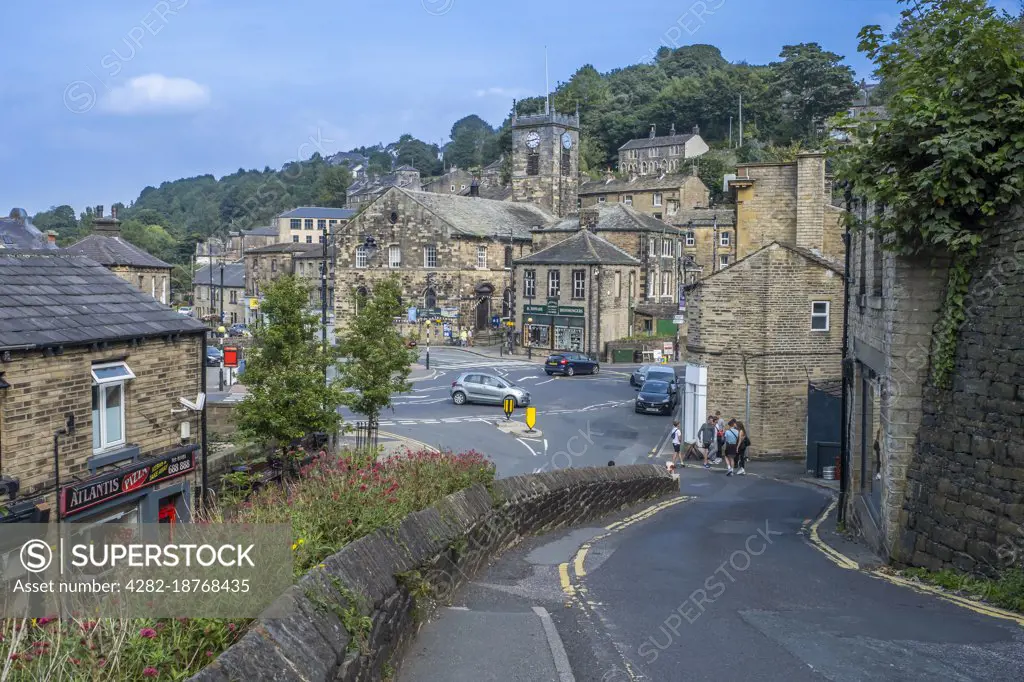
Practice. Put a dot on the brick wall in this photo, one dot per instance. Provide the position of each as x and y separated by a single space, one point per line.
438 548
750 323
44 389
964 503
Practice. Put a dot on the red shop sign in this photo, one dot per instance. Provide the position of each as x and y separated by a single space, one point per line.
113 484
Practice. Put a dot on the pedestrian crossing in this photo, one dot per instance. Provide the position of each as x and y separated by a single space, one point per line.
482 363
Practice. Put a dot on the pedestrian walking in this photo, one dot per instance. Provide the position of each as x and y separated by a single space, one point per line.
469 336
677 440
720 428
732 441
741 449
462 338
707 439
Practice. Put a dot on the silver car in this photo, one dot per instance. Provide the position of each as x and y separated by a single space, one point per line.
479 387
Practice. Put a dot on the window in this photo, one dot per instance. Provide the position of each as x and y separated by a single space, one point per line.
724 239
628 200
152 287
819 316
602 199
430 298
141 283
579 283
655 152
657 198
554 283
453 188
691 238
273 265
723 261
430 256
652 246
320 239
533 163
876 265
566 162
666 248
333 223
309 223
296 224
650 285
666 289
295 238
361 295
394 257
657 216
309 239
530 283
481 256
508 256
233 296
674 150
673 206
108 381
618 284
234 318
362 257
163 290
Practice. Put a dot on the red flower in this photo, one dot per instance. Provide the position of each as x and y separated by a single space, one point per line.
14 657
76 661
102 662
232 627
209 654
150 671
148 633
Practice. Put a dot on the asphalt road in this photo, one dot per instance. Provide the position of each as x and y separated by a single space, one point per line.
583 420
723 585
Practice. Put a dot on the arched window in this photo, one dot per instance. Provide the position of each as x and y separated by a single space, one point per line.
506 304
430 298
361 295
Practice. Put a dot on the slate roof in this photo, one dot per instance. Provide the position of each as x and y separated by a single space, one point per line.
54 298
638 183
645 142
262 231
493 192
806 253
705 217
18 232
583 248
616 217
479 217
112 251
234 276
284 247
318 212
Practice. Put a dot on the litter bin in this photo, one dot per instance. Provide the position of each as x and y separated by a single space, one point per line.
638 356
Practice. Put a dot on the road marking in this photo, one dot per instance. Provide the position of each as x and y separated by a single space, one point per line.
545 382
563 575
421 444
532 451
581 555
846 562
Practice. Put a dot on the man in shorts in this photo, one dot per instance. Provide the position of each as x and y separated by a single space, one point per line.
677 440
707 440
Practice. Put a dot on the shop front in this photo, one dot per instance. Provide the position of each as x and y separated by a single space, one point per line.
146 490
554 327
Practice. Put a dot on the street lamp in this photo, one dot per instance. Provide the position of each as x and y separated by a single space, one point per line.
428 344
528 340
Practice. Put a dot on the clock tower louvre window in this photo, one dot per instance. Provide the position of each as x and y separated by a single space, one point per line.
533 163
566 163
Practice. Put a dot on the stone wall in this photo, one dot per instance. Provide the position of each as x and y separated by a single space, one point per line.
552 188
155 282
44 389
301 635
964 504
767 210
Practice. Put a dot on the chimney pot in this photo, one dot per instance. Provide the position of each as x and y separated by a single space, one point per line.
652 133
673 130
99 210
696 130
51 237
113 212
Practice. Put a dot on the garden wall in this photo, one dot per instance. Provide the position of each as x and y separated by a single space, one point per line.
358 611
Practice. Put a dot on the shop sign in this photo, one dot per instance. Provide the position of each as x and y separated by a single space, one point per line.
574 310
535 309
551 308
450 312
111 485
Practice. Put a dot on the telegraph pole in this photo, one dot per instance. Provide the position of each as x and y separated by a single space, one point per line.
323 299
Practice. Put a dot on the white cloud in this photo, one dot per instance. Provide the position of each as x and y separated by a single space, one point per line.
500 92
156 93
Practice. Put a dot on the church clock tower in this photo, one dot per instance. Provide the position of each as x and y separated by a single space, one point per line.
545 161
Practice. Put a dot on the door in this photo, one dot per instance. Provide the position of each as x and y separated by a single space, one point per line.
493 389
483 314
475 391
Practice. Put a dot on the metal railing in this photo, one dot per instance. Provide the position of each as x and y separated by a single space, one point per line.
367 434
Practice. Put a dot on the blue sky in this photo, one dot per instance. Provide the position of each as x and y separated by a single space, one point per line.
104 98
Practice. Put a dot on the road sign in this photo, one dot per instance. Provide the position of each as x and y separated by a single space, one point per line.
510 406
531 417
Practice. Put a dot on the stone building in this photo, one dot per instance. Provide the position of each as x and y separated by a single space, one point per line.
545 161
240 241
763 328
18 232
575 294
453 254
364 192
709 239
454 181
265 264
107 247
97 350
654 155
221 287
662 196
937 474
656 244
306 224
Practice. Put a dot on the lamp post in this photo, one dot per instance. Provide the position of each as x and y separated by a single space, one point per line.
528 340
323 300
428 344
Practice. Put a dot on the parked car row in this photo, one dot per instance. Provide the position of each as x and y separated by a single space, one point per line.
569 364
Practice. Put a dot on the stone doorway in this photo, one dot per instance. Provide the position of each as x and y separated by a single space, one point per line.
483 314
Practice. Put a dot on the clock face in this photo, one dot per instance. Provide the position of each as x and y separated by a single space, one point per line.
567 140
533 140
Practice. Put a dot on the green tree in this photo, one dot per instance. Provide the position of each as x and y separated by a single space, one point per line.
471 137
416 153
333 185
712 169
62 220
812 85
377 362
153 239
287 396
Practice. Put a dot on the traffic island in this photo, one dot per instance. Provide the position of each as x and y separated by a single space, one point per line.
517 429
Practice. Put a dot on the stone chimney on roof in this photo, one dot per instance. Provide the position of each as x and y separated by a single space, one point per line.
696 130
108 226
652 133
672 131
474 188
589 217
51 237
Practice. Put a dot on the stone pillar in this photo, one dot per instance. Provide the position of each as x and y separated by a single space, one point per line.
810 200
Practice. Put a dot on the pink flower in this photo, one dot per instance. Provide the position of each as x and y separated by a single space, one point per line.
148 633
209 654
150 671
232 627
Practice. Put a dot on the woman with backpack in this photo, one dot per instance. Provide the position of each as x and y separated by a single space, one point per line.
741 449
732 441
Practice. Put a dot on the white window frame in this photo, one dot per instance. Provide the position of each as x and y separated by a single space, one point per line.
307 223
530 283
309 239
602 199
666 248
618 284
481 256
650 285
628 200
430 254
362 257
321 223
394 256
820 315
579 284
104 386
723 261
724 238
691 238
295 224
666 284
554 283
657 198
462 188
163 289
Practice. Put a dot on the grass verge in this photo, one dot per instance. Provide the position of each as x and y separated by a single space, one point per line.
1006 592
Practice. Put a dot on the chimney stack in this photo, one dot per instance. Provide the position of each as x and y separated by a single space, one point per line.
673 130
106 226
651 135
589 218
113 211
98 211
696 130
51 237
474 188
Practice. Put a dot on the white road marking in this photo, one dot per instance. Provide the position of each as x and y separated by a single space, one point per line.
433 388
532 451
545 382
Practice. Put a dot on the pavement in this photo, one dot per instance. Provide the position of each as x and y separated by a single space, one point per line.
743 577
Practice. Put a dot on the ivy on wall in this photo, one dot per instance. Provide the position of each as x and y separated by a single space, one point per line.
948 157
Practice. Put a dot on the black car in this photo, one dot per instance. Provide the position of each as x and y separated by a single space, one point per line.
213 356
656 397
570 364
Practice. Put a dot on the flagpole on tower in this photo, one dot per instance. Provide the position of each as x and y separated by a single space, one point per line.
547 89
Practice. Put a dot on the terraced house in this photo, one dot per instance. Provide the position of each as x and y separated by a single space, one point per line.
91 373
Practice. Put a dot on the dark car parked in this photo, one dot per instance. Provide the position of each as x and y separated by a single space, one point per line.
666 374
570 364
213 356
656 397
